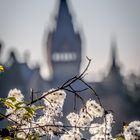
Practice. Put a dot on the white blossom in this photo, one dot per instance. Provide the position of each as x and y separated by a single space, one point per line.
101 137
86 115
132 131
48 127
48 124
84 119
16 93
102 131
17 115
54 102
43 120
94 109
73 118
56 97
72 135
21 135
95 128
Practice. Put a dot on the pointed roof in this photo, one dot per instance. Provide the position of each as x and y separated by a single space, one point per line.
114 76
63 8
114 53
64 16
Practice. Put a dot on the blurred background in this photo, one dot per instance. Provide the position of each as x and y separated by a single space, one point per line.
44 43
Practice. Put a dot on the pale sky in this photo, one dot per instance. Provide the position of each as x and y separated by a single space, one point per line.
22 25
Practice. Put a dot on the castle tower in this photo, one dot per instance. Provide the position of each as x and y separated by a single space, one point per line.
64 46
114 78
114 63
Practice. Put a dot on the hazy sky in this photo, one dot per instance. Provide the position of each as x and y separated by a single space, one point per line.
22 25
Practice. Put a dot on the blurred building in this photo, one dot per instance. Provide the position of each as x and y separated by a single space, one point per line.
64 48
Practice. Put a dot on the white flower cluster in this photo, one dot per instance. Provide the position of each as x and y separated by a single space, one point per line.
16 94
24 115
102 131
15 97
73 134
86 115
49 128
94 109
25 130
18 112
132 131
82 120
53 102
29 124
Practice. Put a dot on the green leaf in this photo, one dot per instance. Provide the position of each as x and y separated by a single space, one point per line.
38 107
30 110
19 105
13 99
18 138
2 100
2 116
28 115
7 103
6 138
120 138
2 69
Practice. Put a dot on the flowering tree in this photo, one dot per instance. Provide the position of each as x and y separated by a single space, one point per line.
25 121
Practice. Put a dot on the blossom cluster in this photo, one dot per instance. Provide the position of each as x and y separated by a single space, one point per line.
26 117
102 131
90 111
53 105
15 105
54 102
132 131
83 119
28 125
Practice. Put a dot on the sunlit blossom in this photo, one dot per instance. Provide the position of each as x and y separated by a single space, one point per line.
29 124
132 131
102 131
94 109
16 93
72 135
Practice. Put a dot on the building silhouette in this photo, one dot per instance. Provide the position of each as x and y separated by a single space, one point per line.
63 47
113 91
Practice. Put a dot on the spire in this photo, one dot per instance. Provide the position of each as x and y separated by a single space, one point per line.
114 77
63 9
114 67
114 52
64 45
64 18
